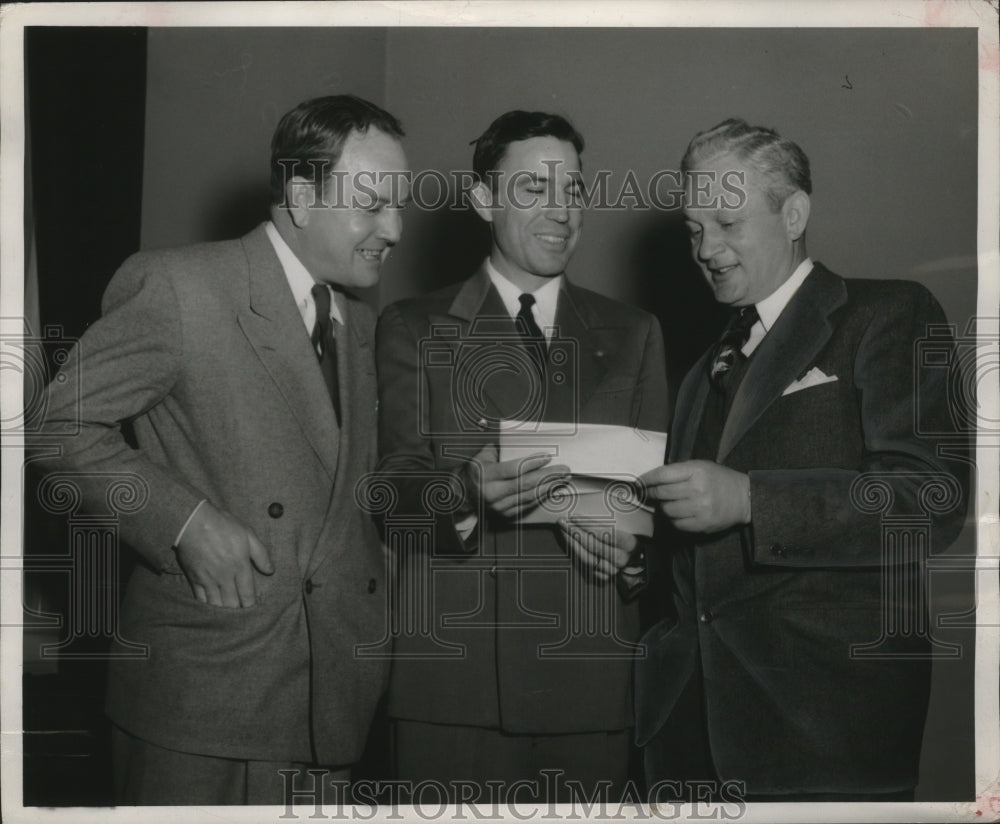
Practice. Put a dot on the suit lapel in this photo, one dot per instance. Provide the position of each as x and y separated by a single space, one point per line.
356 382
478 304
800 332
689 409
578 325
499 381
274 328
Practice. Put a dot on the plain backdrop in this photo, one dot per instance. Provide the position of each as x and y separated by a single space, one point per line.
888 118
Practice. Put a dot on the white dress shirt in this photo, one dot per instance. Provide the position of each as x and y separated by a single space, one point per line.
774 304
301 282
546 299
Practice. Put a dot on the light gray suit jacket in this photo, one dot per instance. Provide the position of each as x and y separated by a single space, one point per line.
203 350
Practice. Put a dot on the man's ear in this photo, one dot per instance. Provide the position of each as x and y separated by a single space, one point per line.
481 199
795 210
300 195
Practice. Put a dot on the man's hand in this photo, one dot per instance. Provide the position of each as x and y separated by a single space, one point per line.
700 496
217 554
511 487
605 559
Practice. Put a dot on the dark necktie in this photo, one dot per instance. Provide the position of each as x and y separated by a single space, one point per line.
532 336
727 351
325 344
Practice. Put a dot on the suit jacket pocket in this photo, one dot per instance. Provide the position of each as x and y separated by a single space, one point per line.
180 589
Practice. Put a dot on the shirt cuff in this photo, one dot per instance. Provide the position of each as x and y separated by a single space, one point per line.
180 534
466 525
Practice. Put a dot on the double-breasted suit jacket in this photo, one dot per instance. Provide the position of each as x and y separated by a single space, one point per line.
204 352
815 680
503 631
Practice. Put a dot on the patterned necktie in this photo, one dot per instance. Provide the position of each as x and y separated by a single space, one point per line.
727 352
531 335
325 344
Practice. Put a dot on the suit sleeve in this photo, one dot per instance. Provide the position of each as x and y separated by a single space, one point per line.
654 405
652 414
407 461
832 517
124 365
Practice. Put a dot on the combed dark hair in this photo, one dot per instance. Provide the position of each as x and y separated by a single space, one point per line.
516 125
317 129
781 162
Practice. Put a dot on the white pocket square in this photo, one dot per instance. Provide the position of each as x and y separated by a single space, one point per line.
814 377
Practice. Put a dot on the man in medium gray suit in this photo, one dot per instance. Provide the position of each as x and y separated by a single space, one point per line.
247 371
793 659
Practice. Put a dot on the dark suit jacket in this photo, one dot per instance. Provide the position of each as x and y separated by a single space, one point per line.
510 635
772 611
204 351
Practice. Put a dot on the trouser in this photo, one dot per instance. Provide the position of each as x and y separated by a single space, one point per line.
461 761
146 774
680 753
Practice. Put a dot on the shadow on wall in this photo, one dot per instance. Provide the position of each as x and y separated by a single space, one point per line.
447 245
237 210
671 286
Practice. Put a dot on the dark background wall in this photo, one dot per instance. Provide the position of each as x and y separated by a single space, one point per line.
887 116
85 121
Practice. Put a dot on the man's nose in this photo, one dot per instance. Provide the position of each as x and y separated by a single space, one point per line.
390 227
708 245
558 210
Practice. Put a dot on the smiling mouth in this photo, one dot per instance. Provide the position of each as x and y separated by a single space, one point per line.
371 255
553 240
718 271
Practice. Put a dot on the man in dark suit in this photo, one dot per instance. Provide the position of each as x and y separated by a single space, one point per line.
247 372
796 657
513 647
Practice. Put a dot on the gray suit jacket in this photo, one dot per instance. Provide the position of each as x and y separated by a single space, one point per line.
511 634
771 612
204 351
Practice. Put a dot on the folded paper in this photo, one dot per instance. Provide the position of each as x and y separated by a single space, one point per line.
604 462
598 450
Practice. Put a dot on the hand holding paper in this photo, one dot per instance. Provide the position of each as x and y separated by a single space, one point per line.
700 496
603 463
510 487
592 549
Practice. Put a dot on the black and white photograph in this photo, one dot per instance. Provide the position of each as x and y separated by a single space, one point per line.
500 410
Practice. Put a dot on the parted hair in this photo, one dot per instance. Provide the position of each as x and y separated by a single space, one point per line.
516 125
779 160
316 130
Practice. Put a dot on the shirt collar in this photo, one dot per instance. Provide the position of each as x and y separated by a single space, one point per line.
774 304
546 297
299 279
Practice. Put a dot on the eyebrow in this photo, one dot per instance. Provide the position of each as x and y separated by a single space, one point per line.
380 200
535 178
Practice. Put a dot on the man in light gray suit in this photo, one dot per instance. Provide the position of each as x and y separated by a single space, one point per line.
247 371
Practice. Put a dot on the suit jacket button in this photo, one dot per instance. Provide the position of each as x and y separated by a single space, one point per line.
778 549
372 585
309 586
275 510
706 617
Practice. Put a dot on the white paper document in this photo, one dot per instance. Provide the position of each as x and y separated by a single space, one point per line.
604 462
